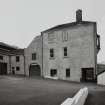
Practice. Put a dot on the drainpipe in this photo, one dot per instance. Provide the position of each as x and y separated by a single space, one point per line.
24 64
42 54
9 64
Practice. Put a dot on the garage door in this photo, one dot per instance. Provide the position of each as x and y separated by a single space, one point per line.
88 74
34 70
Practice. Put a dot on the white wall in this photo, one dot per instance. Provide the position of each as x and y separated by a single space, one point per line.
81 51
19 64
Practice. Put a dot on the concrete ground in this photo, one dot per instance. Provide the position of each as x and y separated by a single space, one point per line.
38 91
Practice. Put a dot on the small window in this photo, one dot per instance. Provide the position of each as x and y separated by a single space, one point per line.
65 51
17 58
68 72
13 68
33 56
53 72
51 53
1 57
64 35
17 68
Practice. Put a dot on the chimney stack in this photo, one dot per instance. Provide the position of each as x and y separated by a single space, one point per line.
79 15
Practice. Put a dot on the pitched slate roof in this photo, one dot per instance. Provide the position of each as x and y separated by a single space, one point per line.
10 50
7 46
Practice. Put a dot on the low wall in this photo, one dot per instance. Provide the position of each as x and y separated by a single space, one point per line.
101 79
78 99
49 77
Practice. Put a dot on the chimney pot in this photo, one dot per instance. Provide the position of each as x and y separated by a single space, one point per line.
79 15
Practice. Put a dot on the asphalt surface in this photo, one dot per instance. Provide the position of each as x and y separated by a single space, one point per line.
38 91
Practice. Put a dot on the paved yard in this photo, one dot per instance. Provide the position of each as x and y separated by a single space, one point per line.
37 91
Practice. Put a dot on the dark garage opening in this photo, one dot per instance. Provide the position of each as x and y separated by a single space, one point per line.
34 70
3 68
87 74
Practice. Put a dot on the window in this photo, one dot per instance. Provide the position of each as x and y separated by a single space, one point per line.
51 37
68 72
33 56
53 72
1 57
13 68
17 68
17 58
64 35
51 53
65 51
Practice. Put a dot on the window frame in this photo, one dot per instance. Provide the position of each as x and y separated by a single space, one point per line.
51 37
34 56
17 68
17 58
65 52
51 52
53 72
68 72
64 36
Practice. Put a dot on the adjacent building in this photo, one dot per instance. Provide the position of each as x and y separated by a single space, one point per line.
33 57
11 60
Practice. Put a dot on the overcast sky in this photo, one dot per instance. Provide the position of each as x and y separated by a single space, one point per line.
22 20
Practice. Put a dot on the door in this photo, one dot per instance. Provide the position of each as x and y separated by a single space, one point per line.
87 74
3 68
34 70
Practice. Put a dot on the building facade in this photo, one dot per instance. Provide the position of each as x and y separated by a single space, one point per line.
11 60
33 57
67 51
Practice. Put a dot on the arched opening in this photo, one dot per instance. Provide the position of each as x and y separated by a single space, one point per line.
34 70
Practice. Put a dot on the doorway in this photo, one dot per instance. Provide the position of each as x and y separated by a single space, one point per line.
3 68
87 74
34 70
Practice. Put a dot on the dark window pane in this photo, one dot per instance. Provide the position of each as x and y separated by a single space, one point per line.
51 53
68 72
1 57
65 51
34 56
17 68
17 59
53 72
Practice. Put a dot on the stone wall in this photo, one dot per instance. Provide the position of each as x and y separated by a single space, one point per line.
81 51
19 64
34 47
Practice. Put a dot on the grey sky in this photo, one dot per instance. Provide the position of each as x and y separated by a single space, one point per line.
22 20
